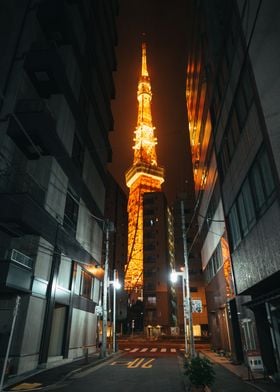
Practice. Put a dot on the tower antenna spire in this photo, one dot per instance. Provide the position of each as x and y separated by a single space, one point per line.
143 176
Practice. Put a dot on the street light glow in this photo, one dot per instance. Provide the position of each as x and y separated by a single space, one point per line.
173 276
117 284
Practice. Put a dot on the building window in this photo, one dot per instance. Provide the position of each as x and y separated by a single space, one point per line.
241 109
241 106
149 246
255 196
149 258
246 208
150 286
152 300
151 316
86 285
150 273
149 211
234 226
148 200
258 187
149 234
78 153
266 173
214 264
71 211
84 103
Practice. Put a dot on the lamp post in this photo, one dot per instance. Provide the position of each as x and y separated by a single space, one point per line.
116 285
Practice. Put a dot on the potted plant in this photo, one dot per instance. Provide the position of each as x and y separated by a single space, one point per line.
200 373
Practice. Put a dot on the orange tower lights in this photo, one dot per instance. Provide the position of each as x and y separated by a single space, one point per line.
143 176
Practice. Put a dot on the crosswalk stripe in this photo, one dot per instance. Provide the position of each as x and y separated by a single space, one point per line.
152 350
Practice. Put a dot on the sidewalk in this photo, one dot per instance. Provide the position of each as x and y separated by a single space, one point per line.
255 380
43 378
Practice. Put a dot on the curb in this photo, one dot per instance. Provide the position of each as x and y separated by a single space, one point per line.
63 378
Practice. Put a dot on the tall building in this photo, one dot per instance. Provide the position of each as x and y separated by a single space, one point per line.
159 297
144 176
57 59
212 233
233 87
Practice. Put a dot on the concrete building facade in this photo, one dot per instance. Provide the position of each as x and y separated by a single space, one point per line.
56 83
233 87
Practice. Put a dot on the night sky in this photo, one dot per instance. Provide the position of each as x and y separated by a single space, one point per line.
165 24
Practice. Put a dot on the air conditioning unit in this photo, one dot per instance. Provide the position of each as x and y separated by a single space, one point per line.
20 258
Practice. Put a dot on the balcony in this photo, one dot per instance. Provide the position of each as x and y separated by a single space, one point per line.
32 128
16 272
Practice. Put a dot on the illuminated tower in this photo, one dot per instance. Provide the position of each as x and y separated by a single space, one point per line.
144 176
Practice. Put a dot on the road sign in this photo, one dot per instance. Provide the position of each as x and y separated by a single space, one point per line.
98 310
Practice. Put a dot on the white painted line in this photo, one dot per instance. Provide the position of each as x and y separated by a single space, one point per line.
153 350
143 350
134 350
173 350
163 350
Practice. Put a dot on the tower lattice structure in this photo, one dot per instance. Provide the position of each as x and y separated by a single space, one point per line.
143 176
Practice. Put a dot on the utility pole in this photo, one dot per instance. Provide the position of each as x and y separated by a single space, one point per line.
114 310
109 227
188 303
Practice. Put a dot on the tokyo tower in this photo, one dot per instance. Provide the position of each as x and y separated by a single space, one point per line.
143 176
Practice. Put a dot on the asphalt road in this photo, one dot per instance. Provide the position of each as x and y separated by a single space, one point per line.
132 372
140 366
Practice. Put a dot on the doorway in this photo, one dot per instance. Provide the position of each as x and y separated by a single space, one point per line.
57 331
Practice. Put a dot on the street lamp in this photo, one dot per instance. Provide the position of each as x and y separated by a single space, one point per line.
116 286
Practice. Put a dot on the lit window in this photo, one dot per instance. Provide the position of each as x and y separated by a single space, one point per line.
234 226
152 300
